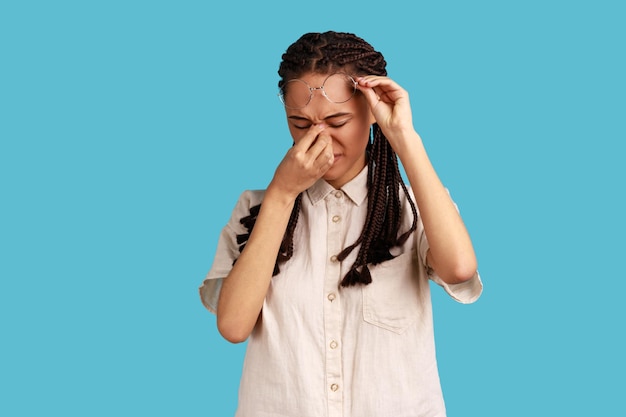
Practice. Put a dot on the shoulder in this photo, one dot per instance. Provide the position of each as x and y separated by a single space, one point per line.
248 199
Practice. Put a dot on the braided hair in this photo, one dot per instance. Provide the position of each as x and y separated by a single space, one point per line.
324 53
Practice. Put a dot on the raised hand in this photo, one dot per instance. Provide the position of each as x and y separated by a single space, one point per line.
389 104
305 162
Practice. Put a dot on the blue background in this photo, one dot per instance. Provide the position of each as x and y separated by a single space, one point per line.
128 129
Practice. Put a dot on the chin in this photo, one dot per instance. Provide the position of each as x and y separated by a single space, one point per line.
333 173
330 177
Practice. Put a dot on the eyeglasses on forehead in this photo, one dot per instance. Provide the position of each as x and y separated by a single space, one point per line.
337 88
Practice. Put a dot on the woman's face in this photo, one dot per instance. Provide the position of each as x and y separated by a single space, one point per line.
348 124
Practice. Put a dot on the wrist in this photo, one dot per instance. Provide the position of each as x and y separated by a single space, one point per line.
279 195
405 141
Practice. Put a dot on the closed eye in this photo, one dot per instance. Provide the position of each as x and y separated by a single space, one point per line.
338 120
338 124
335 120
335 125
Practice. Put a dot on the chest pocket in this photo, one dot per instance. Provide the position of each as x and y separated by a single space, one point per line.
391 301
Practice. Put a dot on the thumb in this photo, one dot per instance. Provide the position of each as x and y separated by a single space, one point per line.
370 95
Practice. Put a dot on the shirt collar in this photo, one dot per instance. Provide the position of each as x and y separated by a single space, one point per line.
355 189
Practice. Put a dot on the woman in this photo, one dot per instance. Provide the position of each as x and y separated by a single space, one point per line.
327 279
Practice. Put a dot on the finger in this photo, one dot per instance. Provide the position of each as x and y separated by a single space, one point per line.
310 136
374 88
380 85
371 96
325 159
321 144
386 90
375 81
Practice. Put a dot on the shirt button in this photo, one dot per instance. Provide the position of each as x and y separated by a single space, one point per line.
333 258
333 345
336 219
338 194
332 296
334 387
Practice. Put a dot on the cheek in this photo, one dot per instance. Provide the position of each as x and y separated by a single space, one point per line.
361 134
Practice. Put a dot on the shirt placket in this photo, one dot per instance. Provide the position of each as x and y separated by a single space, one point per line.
335 206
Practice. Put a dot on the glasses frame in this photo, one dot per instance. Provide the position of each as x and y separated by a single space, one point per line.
281 93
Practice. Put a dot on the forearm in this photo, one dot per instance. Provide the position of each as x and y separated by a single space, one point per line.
451 253
244 289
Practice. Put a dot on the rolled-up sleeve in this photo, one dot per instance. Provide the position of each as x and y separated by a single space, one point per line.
227 250
466 292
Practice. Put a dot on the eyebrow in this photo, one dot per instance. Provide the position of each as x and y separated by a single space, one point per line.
332 116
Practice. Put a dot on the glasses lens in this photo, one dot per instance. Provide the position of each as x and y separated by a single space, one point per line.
339 88
295 94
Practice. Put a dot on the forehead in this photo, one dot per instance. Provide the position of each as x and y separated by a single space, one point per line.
314 79
333 81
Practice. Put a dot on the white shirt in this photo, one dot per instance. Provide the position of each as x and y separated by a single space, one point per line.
320 349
